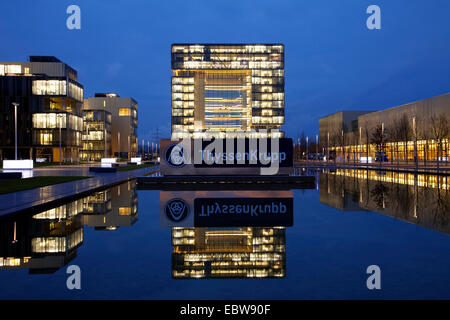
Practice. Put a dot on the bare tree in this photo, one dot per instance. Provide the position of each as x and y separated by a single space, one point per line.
354 142
439 131
343 140
378 138
365 128
404 132
423 133
390 136
335 141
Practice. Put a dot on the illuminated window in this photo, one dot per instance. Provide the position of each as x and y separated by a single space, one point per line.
12 68
45 138
124 112
124 211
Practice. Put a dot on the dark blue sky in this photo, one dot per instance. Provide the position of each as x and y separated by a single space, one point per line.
333 62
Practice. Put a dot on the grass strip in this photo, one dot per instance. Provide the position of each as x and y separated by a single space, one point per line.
134 166
16 185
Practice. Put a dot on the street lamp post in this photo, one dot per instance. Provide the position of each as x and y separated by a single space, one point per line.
60 138
360 146
416 160
87 144
317 146
15 104
328 146
307 150
106 151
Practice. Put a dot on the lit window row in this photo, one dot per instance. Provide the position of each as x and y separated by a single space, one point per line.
183 112
251 48
267 73
181 88
267 80
229 65
268 104
57 120
182 80
10 69
182 104
182 96
49 87
270 96
268 120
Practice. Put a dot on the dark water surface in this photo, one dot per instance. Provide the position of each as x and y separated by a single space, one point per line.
122 241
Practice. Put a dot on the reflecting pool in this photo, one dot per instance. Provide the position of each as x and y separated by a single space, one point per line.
238 244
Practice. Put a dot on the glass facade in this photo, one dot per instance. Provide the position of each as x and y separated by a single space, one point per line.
227 88
96 135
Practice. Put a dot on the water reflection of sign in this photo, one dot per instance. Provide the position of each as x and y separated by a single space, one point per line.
226 208
210 212
176 210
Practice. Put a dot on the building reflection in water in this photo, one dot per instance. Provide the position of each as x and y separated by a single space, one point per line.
43 242
226 233
47 241
416 198
111 208
228 252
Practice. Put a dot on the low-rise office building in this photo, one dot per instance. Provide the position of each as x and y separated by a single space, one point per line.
417 129
49 120
124 117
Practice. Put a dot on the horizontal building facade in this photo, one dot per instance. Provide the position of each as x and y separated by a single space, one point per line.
417 129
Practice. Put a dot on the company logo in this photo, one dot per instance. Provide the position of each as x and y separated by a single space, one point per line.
175 156
176 210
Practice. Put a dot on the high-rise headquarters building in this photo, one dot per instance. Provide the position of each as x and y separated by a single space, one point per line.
227 88
123 125
50 100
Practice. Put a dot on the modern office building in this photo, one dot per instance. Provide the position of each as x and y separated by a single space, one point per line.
253 252
226 88
124 117
49 120
420 127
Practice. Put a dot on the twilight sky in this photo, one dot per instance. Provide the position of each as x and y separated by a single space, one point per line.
332 61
